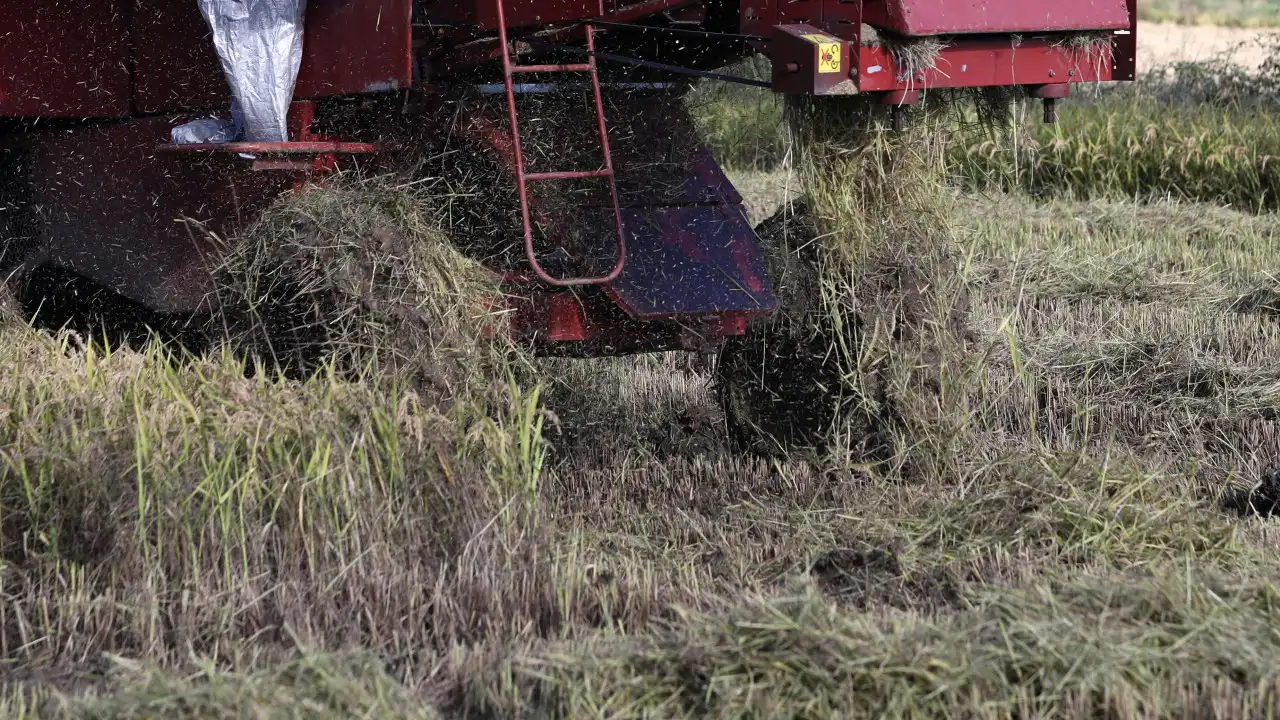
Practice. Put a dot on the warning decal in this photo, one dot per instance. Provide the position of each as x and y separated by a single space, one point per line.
829 60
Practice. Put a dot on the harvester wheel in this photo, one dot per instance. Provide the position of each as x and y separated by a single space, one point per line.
779 391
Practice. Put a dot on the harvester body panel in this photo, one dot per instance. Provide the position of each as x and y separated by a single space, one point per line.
63 60
104 192
483 14
921 18
111 209
692 261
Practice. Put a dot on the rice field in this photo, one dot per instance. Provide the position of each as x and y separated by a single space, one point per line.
180 538
1247 13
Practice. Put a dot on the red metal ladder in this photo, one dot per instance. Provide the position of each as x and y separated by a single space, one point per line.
523 178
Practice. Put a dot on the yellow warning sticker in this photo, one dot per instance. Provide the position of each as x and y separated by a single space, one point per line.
829 56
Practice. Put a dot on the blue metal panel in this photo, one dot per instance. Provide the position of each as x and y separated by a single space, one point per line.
692 261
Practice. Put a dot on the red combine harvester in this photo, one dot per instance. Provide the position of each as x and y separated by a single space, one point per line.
93 188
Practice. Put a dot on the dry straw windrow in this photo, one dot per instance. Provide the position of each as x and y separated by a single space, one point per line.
362 275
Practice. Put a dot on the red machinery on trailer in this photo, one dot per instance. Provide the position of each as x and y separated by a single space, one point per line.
91 186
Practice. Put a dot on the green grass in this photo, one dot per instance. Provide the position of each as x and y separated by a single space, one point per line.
1203 133
314 686
742 125
1105 645
1250 13
1137 148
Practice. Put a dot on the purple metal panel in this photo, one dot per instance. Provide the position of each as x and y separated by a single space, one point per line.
701 181
955 17
691 261
659 157
63 59
707 182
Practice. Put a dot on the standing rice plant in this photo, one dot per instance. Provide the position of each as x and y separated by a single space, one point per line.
1201 132
742 125
1136 148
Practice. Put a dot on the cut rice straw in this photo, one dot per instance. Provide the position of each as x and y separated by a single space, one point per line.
360 275
892 301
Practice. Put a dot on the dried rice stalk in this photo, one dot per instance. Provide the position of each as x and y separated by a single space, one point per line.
360 274
889 277
873 309
1095 49
912 56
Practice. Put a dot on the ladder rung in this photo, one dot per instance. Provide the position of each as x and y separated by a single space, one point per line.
580 67
579 175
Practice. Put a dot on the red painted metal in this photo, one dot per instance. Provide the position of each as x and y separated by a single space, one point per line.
801 65
1058 91
967 61
570 175
915 18
1126 48
901 97
844 18
350 47
523 178
759 17
482 15
175 63
108 200
800 11
356 46
581 67
63 59
463 49
293 166
284 156
279 148
587 323
987 62
567 322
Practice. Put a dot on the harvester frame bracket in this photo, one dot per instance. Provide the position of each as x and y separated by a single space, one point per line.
309 152
810 61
